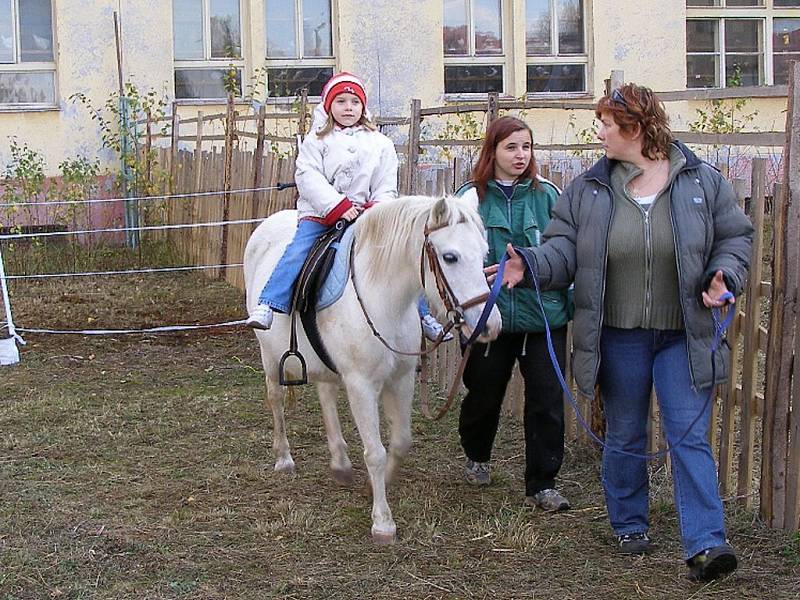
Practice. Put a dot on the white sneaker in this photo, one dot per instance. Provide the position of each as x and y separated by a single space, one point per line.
260 318
433 329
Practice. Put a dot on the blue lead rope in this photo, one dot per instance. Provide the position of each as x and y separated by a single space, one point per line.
490 302
720 326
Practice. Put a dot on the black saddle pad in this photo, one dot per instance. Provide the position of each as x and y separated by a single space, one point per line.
309 283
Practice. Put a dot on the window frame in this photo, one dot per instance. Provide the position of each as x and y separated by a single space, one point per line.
299 61
472 59
208 62
31 67
559 59
766 13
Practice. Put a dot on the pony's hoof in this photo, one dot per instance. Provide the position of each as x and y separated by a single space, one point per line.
284 466
343 477
384 538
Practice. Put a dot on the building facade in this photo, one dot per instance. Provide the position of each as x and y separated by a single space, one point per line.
439 51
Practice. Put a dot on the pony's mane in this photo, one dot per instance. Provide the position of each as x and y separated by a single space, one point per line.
391 226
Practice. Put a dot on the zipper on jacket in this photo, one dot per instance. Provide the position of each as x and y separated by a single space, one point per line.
603 279
676 242
511 296
648 266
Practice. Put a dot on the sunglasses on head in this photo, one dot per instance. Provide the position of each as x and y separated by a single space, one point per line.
616 96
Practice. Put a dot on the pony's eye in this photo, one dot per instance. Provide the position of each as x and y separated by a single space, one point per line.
450 258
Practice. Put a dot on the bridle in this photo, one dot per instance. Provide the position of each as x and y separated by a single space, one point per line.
455 309
455 319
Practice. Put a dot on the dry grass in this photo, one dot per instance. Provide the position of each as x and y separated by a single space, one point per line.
141 467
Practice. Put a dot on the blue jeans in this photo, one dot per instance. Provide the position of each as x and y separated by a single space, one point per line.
422 306
278 291
632 360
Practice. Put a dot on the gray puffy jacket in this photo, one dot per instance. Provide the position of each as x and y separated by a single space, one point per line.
711 234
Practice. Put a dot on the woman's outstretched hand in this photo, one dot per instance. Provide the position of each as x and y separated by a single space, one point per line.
716 289
514 271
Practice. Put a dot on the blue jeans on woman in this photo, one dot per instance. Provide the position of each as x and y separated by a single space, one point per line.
632 360
277 294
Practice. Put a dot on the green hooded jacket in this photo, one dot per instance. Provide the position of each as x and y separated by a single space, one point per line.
521 221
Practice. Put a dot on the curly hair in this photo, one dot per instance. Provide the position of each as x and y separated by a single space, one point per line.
635 109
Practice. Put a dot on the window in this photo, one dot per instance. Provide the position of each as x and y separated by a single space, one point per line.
740 42
785 46
299 46
27 59
555 44
207 40
473 46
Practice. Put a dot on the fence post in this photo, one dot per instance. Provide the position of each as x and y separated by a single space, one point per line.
792 178
302 118
258 163
781 348
148 146
752 320
9 354
173 148
492 108
412 154
230 136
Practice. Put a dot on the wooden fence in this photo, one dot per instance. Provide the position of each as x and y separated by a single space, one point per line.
756 434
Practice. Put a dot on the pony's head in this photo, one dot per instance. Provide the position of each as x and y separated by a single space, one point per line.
458 239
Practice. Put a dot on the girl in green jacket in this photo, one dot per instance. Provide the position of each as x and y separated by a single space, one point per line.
515 204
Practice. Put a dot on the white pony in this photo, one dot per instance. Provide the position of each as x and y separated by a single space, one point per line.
388 242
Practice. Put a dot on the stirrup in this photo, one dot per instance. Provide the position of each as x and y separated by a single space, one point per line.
282 378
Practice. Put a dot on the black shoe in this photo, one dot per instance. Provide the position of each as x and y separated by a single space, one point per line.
712 563
634 543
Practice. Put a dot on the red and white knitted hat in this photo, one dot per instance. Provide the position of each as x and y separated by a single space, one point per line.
341 83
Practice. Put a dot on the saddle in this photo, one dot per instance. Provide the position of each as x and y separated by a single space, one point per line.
306 299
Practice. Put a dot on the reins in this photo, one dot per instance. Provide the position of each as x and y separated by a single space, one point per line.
455 317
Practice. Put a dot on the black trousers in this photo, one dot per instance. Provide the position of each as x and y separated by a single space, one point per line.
486 377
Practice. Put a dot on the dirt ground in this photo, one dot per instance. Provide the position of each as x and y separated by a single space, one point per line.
141 467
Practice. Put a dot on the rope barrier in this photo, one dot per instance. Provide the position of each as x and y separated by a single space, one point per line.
279 187
126 272
164 329
18 236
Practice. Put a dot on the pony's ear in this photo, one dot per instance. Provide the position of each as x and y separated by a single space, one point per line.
470 198
440 214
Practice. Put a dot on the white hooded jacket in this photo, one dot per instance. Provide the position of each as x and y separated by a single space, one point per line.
353 163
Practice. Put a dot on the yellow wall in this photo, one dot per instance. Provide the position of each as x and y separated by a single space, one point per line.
394 45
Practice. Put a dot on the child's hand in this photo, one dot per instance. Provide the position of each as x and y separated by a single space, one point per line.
351 213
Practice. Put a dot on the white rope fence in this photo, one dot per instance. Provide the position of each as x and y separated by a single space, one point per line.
124 272
163 329
20 236
279 187
9 353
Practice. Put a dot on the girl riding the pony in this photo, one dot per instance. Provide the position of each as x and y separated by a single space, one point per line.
345 165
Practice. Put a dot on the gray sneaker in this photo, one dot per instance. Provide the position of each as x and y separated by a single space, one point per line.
260 318
548 499
477 473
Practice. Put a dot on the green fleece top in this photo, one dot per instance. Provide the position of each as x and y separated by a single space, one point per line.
642 273
521 220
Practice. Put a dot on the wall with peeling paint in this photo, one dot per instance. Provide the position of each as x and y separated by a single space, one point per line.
396 46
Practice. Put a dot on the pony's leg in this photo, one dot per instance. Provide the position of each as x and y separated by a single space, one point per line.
280 443
363 398
341 467
396 398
